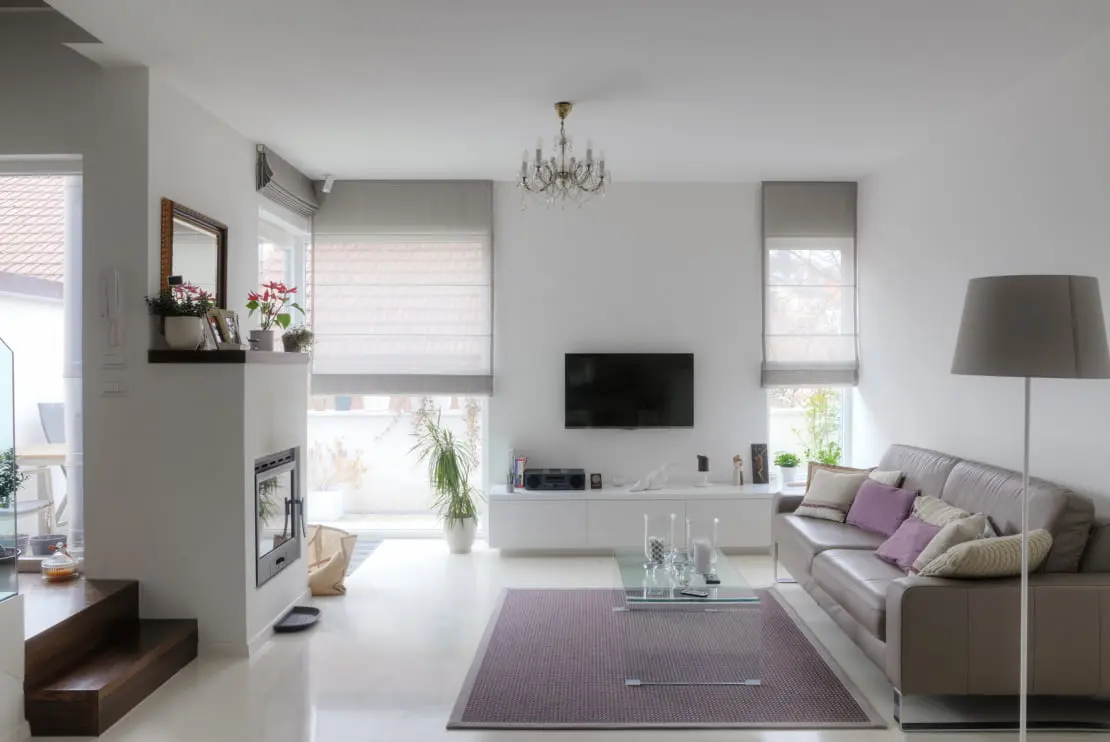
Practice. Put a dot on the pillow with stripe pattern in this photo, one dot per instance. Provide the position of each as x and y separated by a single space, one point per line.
990 557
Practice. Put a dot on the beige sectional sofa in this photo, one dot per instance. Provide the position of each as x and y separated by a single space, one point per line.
960 637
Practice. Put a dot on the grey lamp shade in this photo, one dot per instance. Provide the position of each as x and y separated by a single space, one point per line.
1033 326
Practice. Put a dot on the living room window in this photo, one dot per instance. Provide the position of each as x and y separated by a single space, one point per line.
810 341
401 303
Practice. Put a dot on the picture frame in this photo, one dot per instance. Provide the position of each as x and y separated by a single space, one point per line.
229 327
215 332
760 464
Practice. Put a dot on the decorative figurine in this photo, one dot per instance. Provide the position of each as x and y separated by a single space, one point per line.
738 470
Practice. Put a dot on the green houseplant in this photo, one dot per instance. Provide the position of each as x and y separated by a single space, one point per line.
11 478
788 465
298 340
450 463
183 308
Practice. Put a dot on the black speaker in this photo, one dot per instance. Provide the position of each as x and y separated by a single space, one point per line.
554 479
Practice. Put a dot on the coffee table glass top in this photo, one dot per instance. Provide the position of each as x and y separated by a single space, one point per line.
664 584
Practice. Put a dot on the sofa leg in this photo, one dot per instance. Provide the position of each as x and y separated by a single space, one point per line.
775 568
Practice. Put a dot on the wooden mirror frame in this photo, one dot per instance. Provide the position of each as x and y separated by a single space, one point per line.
172 210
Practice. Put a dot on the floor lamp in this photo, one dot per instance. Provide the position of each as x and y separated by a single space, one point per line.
1031 327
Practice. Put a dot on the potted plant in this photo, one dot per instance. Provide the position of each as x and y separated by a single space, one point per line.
788 465
272 305
11 479
298 340
333 469
450 463
183 308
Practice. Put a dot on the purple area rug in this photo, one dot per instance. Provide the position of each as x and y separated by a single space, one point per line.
558 659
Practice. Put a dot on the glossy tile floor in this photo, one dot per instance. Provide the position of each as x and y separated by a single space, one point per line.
388 660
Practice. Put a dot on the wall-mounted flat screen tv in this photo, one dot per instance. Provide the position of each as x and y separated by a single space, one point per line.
629 390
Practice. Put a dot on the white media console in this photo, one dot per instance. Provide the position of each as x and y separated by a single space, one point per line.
596 520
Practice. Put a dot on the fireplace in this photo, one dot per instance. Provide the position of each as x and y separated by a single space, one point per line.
279 513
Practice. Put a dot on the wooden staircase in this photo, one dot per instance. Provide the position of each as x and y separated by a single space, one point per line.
89 657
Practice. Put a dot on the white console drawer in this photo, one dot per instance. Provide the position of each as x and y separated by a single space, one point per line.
537 525
614 524
744 524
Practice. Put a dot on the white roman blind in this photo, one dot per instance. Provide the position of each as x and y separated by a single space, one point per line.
809 316
402 288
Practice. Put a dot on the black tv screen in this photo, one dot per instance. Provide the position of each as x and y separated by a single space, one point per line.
629 390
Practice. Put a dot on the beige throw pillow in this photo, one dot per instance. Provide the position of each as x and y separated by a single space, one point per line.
830 495
889 478
990 557
955 532
937 512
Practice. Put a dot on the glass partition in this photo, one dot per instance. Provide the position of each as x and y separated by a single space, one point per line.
9 474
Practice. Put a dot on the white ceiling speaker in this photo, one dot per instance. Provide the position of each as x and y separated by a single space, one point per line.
329 181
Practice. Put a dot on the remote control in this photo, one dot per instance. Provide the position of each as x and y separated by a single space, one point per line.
695 593
712 579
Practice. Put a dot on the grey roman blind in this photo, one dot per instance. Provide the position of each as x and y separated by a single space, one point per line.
809 258
402 288
284 184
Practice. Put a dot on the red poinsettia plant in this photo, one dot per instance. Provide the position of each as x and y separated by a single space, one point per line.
273 303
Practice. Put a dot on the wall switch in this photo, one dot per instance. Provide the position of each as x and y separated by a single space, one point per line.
114 360
114 388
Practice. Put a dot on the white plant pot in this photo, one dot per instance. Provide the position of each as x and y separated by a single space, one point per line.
460 535
790 473
324 506
185 333
262 339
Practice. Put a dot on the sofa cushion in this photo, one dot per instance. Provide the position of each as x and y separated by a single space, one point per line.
904 546
924 470
880 508
857 580
808 537
951 534
937 512
990 557
979 488
830 494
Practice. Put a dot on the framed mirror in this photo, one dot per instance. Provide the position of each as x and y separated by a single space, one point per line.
194 246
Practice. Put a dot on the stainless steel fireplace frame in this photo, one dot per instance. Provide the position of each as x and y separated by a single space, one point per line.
271 563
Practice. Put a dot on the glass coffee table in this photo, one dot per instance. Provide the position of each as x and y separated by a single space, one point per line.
671 638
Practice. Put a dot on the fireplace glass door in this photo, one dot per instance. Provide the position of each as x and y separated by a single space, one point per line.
279 513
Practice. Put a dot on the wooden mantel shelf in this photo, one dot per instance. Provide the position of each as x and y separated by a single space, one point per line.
227 356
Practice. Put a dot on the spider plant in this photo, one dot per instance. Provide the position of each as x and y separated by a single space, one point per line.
450 462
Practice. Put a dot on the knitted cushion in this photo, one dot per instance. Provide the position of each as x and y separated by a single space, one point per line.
990 557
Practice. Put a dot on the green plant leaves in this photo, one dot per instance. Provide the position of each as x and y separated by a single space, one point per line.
450 463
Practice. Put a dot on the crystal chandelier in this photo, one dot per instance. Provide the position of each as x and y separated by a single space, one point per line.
563 178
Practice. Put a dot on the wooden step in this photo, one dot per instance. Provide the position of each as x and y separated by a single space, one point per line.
112 680
64 622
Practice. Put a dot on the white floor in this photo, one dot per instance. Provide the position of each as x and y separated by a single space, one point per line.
388 659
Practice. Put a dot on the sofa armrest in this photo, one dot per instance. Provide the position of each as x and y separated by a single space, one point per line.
960 637
785 503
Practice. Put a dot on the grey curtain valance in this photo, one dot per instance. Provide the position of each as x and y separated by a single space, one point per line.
809 209
284 184
404 207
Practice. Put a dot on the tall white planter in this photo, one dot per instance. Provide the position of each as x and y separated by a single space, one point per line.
185 333
460 535
790 474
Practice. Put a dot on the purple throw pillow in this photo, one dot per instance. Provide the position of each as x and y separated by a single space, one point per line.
880 508
907 543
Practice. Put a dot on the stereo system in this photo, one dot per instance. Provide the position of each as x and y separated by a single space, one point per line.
554 479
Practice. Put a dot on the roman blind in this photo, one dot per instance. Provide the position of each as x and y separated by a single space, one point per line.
809 259
402 288
283 184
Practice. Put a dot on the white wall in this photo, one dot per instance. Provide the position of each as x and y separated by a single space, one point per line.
12 726
651 268
1022 188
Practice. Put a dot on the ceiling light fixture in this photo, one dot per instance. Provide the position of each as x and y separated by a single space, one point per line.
563 178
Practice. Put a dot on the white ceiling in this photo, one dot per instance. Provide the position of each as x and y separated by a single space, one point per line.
671 89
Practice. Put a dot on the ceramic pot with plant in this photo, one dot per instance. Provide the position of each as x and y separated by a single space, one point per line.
11 478
298 340
788 466
273 305
183 308
450 463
